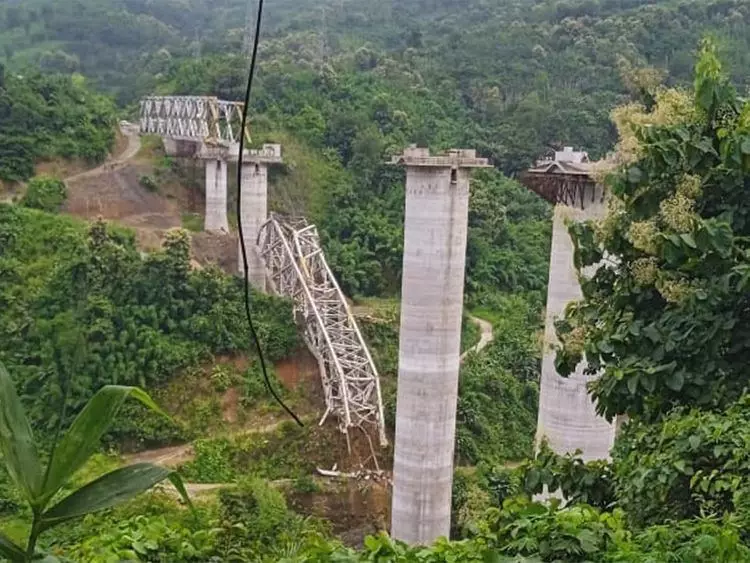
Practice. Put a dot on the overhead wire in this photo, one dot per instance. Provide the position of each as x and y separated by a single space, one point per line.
245 265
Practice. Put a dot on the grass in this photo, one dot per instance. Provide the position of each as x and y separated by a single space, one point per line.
192 222
151 147
470 333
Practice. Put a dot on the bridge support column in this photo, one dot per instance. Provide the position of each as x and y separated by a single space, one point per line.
254 211
216 196
254 208
567 416
435 230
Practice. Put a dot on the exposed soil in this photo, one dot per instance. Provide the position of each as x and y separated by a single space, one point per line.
217 249
300 370
355 508
171 456
62 168
229 405
114 191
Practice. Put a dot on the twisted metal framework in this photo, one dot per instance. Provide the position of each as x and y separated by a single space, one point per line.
298 269
192 118
560 187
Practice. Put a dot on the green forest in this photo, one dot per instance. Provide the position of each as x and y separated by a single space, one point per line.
100 339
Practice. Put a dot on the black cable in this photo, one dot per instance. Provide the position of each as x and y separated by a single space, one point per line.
245 266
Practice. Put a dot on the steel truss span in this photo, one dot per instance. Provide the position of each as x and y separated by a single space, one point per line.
297 269
192 118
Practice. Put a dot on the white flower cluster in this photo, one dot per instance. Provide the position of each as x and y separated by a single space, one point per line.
672 107
645 271
643 235
677 213
673 291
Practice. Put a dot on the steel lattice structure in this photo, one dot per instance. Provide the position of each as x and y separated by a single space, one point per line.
192 118
298 269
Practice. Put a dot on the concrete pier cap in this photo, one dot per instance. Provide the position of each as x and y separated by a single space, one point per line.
269 153
453 158
435 232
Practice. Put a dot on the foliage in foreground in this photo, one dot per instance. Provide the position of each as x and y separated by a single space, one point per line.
665 319
671 299
40 485
251 522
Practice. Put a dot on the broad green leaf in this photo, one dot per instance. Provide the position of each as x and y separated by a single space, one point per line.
675 380
588 541
680 465
9 549
17 440
82 438
652 334
648 382
688 239
108 491
632 383
177 483
532 479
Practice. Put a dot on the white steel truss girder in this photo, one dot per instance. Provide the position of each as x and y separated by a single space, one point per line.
297 268
192 118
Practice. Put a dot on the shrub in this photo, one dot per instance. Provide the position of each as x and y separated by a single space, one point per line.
192 222
261 524
689 541
45 193
578 533
305 484
149 183
589 483
212 463
692 463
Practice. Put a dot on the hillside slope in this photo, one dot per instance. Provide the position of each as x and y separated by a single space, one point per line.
519 75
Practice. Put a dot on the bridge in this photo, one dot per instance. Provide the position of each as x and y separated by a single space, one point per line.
286 255
297 269
197 119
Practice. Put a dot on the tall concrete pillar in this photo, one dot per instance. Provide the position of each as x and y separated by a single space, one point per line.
567 415
435 228
254 208
216 196
254 211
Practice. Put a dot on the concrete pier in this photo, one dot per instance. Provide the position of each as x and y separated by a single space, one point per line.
567 415
254 208
216 196
435 230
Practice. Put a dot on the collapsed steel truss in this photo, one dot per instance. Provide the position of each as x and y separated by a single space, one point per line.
298 269
192 118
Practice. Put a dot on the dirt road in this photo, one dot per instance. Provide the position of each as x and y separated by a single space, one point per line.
485 336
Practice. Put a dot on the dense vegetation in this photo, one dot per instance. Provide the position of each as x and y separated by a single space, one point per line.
343 85
82 309
46 116
509 78
672 336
